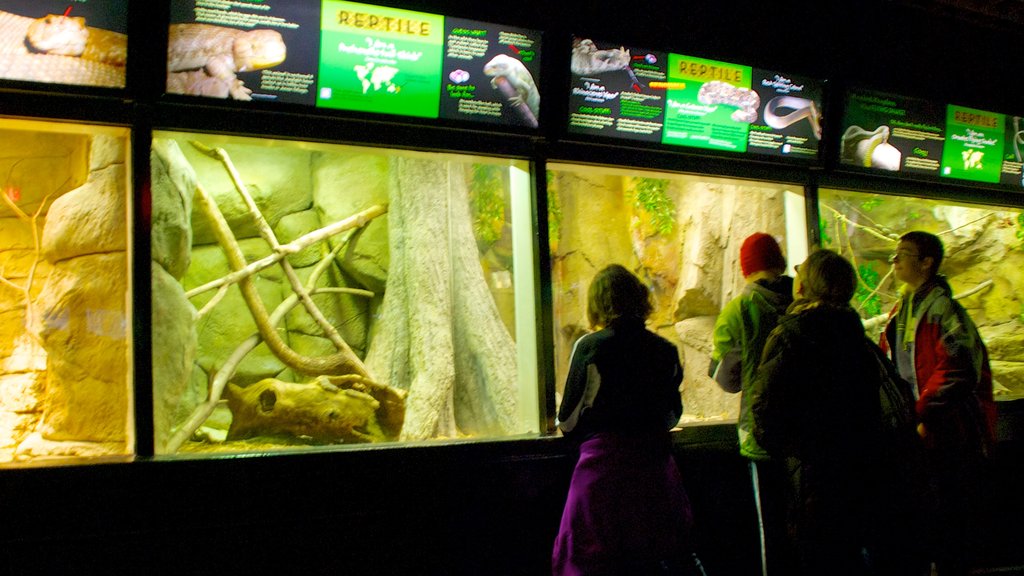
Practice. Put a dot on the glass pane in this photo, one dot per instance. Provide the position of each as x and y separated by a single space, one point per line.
310 294
65 386
984 257
681 234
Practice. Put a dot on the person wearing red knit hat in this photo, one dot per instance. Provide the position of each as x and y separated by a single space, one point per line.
761 253
741 331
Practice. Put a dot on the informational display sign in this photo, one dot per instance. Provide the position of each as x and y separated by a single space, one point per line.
893 133
974 144
1013 152
921 138
353 56
640 94
83 42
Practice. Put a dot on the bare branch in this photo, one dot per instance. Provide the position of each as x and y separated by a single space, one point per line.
343 362
355 221
267 233
220 379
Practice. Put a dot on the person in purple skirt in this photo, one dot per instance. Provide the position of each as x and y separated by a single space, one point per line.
627 511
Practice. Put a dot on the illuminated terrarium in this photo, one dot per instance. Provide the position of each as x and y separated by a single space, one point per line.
984 263
311 294
681 234
65 385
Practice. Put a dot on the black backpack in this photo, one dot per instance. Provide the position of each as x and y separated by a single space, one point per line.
902 499
894 394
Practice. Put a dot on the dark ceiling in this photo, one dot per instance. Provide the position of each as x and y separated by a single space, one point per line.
1007 14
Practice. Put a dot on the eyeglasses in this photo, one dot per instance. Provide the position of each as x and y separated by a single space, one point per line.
897 256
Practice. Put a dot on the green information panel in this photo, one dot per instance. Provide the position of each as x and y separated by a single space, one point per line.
974 144
377 59
709 104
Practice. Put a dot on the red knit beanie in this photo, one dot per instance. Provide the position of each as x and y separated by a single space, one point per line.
760 252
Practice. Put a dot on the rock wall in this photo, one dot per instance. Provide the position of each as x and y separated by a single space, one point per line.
692 269
715 218
176 392
984 255
82 319
594 233
38 167
297 190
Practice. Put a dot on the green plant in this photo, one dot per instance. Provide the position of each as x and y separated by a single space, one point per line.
871 203
554 213
867 291
487 201
1020 233
823 236
651 196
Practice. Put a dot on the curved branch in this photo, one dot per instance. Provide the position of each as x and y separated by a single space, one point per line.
840 216
983 285
219 379
268 235
873 322
355 221
221 293
343 362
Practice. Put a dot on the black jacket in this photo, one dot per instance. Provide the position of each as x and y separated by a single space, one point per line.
623 378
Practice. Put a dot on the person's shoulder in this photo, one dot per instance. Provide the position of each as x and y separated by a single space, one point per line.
653 339
788 326
732 307
942 304
775 295
592 339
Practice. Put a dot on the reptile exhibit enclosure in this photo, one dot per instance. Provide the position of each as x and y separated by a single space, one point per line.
292 286
65 349
316 294
983 263
681 234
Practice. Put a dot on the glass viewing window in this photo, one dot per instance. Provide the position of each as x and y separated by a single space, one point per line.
65 293
984 255
681 234
313 294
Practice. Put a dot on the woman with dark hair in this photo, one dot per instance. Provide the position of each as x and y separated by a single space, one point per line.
816 406
627 511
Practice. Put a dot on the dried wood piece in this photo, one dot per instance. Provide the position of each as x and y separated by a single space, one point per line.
321 410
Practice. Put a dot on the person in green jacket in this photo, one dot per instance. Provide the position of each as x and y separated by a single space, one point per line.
741 331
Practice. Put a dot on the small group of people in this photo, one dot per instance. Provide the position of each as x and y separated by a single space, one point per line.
835 493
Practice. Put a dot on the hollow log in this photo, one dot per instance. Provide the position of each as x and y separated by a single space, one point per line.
320 410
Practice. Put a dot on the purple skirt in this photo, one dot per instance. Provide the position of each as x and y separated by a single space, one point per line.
626 509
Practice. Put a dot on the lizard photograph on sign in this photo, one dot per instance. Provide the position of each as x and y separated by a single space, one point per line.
247 51
82 43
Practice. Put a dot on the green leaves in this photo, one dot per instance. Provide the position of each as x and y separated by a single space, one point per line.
651 196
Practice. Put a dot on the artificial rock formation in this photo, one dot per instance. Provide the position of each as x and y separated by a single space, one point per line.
38 167
691 266
82 310
174 339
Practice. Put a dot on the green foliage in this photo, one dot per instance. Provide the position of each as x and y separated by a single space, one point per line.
651 195
487 201
826 240
554 213
1020 234
871 203
867 298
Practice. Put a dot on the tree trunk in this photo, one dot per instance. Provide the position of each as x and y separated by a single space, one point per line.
440 335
